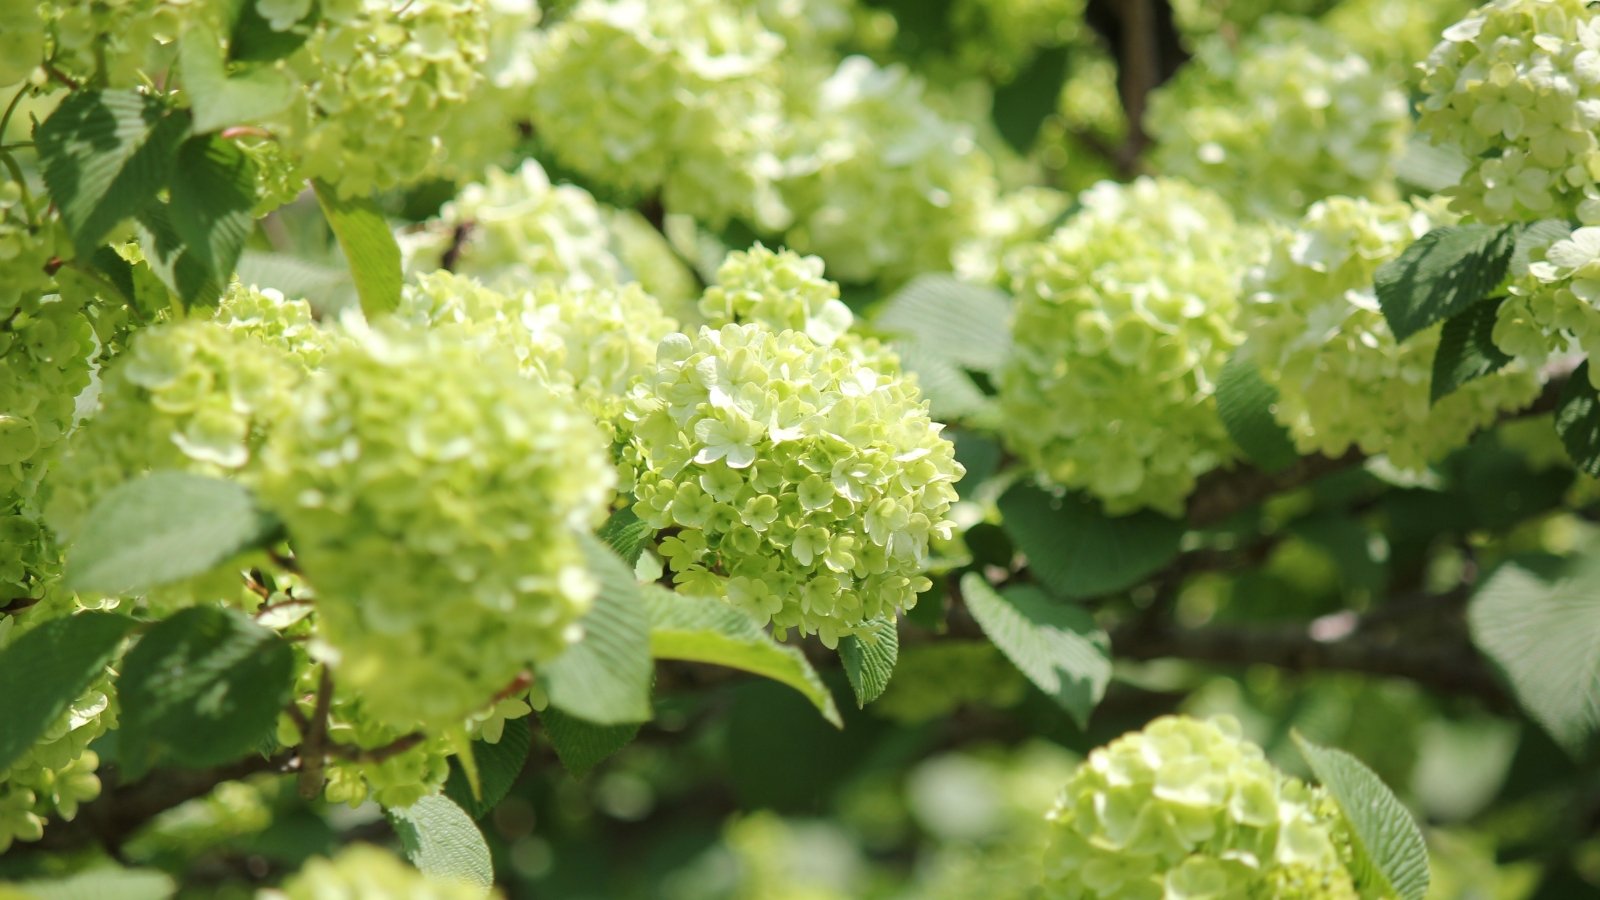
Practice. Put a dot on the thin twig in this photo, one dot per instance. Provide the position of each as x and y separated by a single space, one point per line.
313 749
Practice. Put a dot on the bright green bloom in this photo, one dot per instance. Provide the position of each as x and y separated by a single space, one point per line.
365 872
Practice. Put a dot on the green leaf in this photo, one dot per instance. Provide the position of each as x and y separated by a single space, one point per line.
1383 827
952 319
704 630
499 765
46 668
627 534
161 528
605 677
1578 421
869 658
1444 272
583 745
442 841
369 247
1428 167
201 688
220 99
1466 348
1537 237
1021 107
1057 645
294 276
210 207
1244 402
178 265
98 884
255 40
950 391
1077 551
105 155
1539 621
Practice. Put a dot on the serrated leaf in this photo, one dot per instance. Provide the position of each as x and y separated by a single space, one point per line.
1021 107
105 156
957 321
442 841
605 677
1466 348
294 276
1537 236
627 534
98 884
704 630
499 765
951 393
1057 645
1539 621
1444 272
220 99
1578 421
583 745
255 40
369 248
869 658
173 261
47 667
201 688
1244 403
210 206
164 527
1078 551
1430 167
1387 834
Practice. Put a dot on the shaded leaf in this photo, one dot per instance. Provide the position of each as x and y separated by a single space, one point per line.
605 677
1466 348
1384 828
210 206
178 265
442 841
1444 272
499 765
219 98
1077 551
1021 107
1244 403
627 534
1057 645
1578 421
583 745
369 248
47 667
255 40
869 658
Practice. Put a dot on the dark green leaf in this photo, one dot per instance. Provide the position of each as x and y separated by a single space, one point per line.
164 527
46 668
1539 620
1077 551
869 658
369 248
210 208
105 155
442 841
499 764
703 630
220 99
1444 272
1057 645
255 40
605 677
583 745
1578 421
1383 827
1021 107
1466 348
627 534
201 688
178 265
1244 403
962 323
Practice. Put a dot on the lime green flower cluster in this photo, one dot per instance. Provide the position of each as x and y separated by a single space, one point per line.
1317 334
677 98
594 343
1188 808
119 39
381 81
1289 116
801 484
22 43
195 394
433 495
1515 87
1122 323
1395 34
1015 219
1201 18
881 184
365 872
57 774
1555 303
781 290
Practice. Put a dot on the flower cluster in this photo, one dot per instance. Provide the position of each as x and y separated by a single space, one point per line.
381 81
57 774
781 290
119 39
1122 323
46 345
1017 218
1555 303
1515 87
1188 808
676 98
1395 34
1317 334
363 871
800 483
435 496
1289 116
